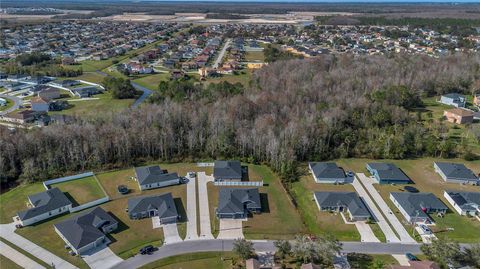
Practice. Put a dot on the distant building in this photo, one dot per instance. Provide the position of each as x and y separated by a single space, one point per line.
453 99
152 177
161 206
227 171
40 104
325 172
455 173
3 102
343 202
465 203
387 173
459 115
415 207
49 93
45 205
238 203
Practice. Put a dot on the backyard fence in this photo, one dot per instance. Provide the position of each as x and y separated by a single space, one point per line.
239 183
63 179
204 164
90 204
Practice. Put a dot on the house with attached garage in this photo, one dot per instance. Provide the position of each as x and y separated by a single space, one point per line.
162 206
152 177
453 99
455 173
387 173
459 115
324 172
465 203
87 231
238 203
415 207
44 205
227 171
343 202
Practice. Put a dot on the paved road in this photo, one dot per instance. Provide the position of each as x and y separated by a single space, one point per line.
192 232
205 226
381 221
404 235
18 258
146 93
17 103
260 246
222 53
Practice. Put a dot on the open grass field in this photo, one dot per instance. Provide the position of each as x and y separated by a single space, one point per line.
151 81
279 219
422 173
16 200
200 260
6 263
243 78
81 191
253 56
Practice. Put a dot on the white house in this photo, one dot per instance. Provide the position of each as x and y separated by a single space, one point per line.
152 177
465 203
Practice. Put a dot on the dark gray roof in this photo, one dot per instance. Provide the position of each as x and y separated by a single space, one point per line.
415 202
326 170
347 199
465 200
454 95
388 171
44 202
231 200
163 203
227 169
153 174
84 229
456 171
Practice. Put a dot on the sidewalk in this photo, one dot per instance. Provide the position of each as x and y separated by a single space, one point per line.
18 258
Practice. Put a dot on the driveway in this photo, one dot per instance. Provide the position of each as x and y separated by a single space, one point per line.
366 233
192 232
170 232
368 183
205 226
101 258
145 94
426 238
402 259
230 229
381 221
18 258
7 231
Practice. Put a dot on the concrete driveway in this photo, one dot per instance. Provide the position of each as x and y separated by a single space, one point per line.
205 226
230 229
366 233
368 183
170 233
192 232
402 259
381 221
101 257
18 258
426 238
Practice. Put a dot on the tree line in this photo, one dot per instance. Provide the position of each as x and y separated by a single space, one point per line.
296 110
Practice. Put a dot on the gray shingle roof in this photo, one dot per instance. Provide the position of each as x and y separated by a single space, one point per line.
84 229
465 200
44 202
232 200
456 171
327 170
346 199
415 202
163 203
153 174
227 169
388 171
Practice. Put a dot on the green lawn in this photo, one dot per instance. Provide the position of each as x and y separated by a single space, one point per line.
82 190
200 260
365 261
8 105
16 200
6 263
253 56
242 78
152 81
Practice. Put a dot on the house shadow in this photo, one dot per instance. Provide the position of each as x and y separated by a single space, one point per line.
264 202
70 197
181 210
245 176
120 228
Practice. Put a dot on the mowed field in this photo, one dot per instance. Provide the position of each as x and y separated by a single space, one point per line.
425 179
82 190
201 260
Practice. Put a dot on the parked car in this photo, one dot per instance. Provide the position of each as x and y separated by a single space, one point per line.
411 257
192 174
350 174
122 189
146 250
425 229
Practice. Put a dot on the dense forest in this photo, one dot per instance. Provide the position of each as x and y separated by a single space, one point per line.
294 110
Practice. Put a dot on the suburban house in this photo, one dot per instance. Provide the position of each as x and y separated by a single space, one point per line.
49 93
415 207
343 202
455 173
459 115
87 91
40 104
22 117
465 203
453 99
476 99
238 203
70 83
86 231
227 170
324 172
45 205
387 173
162 206
151 177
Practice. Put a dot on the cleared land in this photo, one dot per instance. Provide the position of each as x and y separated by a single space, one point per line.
81 190
201 260
152 81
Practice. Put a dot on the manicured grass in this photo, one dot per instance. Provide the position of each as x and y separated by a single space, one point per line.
321 222
24 253
200 260
422 173
91 77
378 232
152 81
16 200
7 263
252 56
242 78
366 261
81 190
9 104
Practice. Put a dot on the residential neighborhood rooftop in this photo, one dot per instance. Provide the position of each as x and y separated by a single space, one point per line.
44 202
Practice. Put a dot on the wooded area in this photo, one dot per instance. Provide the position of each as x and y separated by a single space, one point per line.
295 110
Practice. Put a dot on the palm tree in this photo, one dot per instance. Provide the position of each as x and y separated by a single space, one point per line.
243 248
